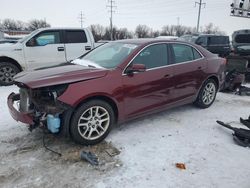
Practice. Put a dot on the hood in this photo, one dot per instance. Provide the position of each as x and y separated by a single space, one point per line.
58 75
10 46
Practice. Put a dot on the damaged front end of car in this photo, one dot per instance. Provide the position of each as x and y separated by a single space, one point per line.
38 107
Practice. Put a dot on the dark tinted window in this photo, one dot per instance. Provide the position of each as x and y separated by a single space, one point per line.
201 41
153 56
243 38
76 37
182 53
51 37
218 40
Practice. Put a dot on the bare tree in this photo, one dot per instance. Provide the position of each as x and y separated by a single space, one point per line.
167 30
10 24
98 32
142 31
123 33
36 24
212 29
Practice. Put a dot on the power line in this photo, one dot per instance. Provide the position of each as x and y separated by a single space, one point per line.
81 18
111 7
199 14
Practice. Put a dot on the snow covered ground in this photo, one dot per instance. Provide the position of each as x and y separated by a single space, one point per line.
149 147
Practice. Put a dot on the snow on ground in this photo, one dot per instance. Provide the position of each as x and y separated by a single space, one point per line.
149 147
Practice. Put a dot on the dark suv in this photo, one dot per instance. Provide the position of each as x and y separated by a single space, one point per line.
217 44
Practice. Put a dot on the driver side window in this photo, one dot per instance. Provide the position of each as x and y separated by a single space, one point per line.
153 56
52 37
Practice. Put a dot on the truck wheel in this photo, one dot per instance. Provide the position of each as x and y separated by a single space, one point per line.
92 122
207 94
7 72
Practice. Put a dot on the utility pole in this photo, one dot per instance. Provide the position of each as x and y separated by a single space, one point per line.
178 21
111 7
81 18
199 14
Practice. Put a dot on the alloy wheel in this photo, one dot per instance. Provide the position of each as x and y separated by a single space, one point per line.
209 93
6 74
93 122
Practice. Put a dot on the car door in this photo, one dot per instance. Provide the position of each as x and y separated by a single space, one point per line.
76 43
189 66
151 89
44 49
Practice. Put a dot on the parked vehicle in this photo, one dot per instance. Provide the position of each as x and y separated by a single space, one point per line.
116 82
167 37
239 59
241 42
217 44
189 38
42 48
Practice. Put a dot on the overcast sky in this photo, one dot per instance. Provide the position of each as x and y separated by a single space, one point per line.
129 13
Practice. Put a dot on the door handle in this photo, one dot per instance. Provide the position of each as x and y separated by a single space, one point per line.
60 49
199 68
87 47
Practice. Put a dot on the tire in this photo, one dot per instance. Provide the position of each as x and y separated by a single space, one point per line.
207 94
92 122
7 73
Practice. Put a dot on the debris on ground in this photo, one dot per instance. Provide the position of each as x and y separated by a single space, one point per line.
181 166
112 152
89 157
240 136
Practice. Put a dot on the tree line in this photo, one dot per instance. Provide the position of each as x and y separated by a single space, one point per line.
143 31
104 33
17 25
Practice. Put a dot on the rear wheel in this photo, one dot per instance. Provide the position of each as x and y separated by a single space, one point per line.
7 73
207 94
92 122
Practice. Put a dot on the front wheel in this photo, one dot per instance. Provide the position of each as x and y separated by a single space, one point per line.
207 94
92 122
7 73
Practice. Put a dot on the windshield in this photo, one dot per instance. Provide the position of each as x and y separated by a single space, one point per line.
26 37
109 55
242 38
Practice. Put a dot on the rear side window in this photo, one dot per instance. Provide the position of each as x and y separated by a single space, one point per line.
76 37
197 55
153 56
218 40
184 53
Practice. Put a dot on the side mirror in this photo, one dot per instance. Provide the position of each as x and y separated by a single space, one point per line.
31 42
136 68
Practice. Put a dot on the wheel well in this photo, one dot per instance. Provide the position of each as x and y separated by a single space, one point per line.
104 98
10 60
215 79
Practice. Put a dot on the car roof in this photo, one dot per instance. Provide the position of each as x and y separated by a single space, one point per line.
144 41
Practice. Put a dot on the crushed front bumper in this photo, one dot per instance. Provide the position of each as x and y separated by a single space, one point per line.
17 115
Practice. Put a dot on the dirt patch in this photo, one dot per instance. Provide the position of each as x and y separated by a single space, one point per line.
26 163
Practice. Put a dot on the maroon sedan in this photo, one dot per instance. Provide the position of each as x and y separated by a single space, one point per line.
114 83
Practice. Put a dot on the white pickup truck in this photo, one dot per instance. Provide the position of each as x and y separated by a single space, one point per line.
42 48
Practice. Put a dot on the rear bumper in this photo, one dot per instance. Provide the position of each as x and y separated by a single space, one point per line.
17 115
